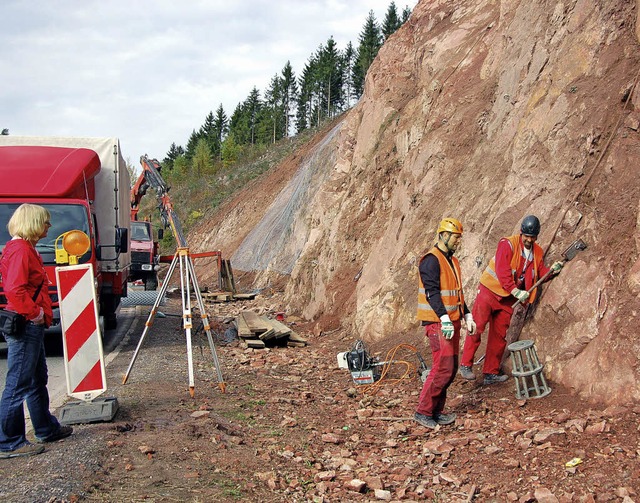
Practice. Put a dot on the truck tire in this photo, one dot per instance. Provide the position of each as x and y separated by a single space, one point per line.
151 283
108 308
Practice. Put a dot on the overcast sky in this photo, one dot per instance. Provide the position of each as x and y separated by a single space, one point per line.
149 71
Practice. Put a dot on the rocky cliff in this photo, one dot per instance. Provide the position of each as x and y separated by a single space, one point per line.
485 111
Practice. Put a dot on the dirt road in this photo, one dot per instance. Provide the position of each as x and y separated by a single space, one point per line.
294 427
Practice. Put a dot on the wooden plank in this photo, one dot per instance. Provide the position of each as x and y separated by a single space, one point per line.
280 328
254 343
232 280
294 337
243 329
255 324
269 334
218 297
244 296
293 344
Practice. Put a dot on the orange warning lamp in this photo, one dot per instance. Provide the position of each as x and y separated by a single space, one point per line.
75 243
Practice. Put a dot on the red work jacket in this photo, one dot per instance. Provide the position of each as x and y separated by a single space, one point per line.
504 271
22 273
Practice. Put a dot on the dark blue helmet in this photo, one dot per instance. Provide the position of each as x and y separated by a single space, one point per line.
530 225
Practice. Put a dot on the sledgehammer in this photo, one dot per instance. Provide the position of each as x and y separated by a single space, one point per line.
567 255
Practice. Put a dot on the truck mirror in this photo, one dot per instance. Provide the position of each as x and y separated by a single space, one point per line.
122 240
160 234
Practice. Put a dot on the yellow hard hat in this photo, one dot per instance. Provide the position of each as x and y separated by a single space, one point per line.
450 225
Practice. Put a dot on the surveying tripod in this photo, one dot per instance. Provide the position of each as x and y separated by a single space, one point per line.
188 278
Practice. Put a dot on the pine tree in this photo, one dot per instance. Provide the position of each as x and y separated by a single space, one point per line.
221 128
289 95
191 145
346 67
5 132
304 113
244 119
370 41
201 163
405 14
209 133
273 117
329 79
391 21
173 153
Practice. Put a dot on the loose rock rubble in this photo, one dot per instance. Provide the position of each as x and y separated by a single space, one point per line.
293 427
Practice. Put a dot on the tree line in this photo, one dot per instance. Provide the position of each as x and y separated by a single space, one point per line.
331 81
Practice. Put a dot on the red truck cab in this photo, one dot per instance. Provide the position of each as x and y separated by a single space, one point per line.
144 255
77 181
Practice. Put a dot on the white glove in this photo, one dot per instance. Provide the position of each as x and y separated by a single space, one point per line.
557 267
447 327
521 295
471 325
39 320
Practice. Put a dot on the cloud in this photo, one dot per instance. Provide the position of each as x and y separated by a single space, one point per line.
149 72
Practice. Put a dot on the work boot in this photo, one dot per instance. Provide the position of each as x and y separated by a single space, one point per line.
425 421
446 418
26 450
59 434
494 378
467 373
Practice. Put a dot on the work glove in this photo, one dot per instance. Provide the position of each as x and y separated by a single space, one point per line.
557 266
521 295
471 325
447 327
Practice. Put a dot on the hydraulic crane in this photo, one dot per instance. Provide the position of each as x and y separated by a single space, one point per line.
151 178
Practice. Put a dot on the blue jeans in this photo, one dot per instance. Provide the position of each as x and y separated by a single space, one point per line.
26 380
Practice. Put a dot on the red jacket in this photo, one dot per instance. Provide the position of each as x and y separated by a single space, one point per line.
504 253
22 273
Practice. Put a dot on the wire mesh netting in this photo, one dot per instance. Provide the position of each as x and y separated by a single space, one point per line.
279 238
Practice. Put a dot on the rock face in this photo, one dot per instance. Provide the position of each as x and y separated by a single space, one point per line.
485 111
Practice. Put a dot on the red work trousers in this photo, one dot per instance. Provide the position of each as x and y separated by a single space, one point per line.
443 370
496 311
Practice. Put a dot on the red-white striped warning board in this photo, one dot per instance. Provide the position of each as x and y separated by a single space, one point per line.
83 357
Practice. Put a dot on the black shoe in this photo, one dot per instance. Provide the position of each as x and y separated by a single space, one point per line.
467 373
446 418
425 421
494 378
60 433
26 450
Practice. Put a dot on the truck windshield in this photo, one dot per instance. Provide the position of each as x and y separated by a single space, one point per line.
140 231
64 217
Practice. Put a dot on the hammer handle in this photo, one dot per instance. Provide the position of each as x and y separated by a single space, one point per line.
535 285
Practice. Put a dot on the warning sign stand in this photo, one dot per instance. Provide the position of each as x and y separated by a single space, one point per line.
82 343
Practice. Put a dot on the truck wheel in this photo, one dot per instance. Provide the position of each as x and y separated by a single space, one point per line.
150 283
108 310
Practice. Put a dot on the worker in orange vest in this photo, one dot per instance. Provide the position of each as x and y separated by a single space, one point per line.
441 308
516 266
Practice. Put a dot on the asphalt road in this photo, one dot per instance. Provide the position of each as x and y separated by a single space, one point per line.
55 360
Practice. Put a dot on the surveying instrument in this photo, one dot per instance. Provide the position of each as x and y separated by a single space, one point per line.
188 279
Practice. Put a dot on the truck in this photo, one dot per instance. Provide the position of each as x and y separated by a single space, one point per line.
144 254
84 183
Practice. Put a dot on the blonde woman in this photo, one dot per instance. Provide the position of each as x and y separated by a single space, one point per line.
26 288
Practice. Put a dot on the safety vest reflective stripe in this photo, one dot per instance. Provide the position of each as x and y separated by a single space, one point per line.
451 290
442 292
489 277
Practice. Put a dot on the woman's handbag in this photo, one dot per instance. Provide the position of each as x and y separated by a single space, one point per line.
13 323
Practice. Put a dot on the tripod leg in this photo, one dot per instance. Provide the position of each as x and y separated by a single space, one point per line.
186 312
207 326
152 314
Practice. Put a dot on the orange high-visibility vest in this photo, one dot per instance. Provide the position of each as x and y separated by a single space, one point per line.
450 289
489 277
